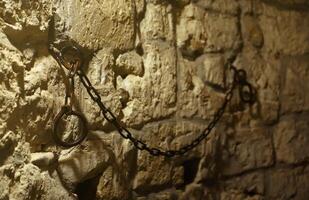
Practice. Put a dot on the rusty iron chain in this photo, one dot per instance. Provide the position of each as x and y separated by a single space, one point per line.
246 93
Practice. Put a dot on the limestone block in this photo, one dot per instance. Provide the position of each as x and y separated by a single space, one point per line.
102 76
291 140
194 192
231 195
195 97
26 21
115 181
111 186
52 188
152 96
44 89
29 179
157 23
294 91
190 32
89 159
152 171
219 6
42 159
98 24
253 183
129 63
32 183
249 149
155 172
290 37
222 32
199 31
291 183
169 194
212 70
252 32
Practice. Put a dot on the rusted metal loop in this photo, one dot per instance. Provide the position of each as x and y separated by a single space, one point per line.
247 93
67 111
77 63
241 76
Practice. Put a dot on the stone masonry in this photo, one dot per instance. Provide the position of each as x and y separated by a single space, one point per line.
161 67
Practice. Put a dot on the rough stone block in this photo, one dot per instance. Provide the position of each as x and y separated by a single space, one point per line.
291 140
98 24
129 63
284 31
157 23
289 183
294 90
248 150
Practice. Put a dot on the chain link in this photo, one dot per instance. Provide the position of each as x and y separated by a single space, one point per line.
126 134
246 93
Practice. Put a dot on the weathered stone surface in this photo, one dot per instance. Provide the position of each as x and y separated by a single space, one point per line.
247 150
129 63
191 37
157 172
230 195
42 159
253 183
212 70
160 67
289 38
31 183
289 183
98 24
222 32
252 32
219 6
263 74
103 78
195 99
294 93
85 161
199 31
25 21
157 23
291 140
152 96
111 186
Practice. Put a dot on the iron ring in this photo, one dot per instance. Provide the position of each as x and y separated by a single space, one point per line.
65 110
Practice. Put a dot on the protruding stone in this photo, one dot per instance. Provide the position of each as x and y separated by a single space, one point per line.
96 24
211 70
42 159
129 63
252 31
157 23
153 95
191 38
85 161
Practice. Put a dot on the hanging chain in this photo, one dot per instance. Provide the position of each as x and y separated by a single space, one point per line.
246 93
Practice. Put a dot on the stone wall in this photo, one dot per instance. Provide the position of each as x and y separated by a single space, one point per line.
161 67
